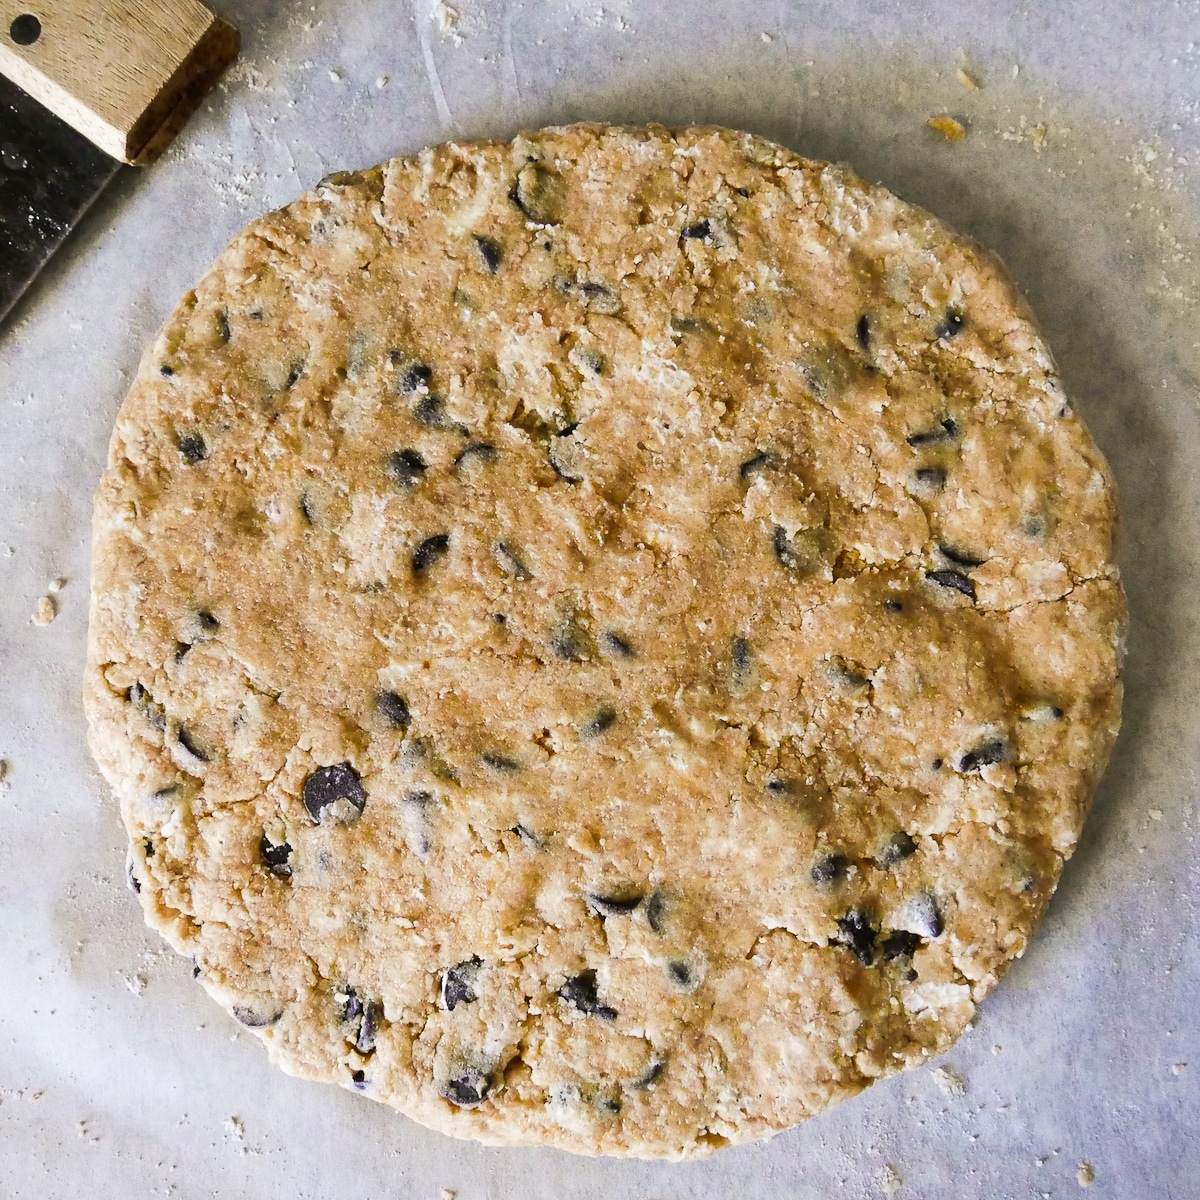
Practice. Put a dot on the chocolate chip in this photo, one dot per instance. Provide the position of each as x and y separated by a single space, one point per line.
430 412
361 1019
429 552
961 557
570 641
511 563
466 1090
753 466
359 1079
947 431
459 983
192 447
476 452
254 1018
680 973
539 193
923 915
862 331
608 1105
306 508
828 869
500 762
293 376
500 618
165 371
154 712
221 321
276 858
893 606
131 879
337 788
779 787
614 906
528 837
955 580
856 933
206 623
950 325
783 550
656 911
994 750
188 740
615 645
490 254
414 376
700 230
599 297
598 722
899 846
580 994
936 765
931 479
900 944
406 467
649 1076
394 709
741 665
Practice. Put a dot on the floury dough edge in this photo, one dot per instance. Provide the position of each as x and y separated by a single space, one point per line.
604 640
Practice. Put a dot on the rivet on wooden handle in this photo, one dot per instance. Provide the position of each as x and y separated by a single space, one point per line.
125 73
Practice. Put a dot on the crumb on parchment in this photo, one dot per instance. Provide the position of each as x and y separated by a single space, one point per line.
45 611
948 127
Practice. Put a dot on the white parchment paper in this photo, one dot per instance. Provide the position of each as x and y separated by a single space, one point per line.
119 1078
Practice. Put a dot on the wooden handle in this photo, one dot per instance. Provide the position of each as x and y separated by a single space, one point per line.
125 73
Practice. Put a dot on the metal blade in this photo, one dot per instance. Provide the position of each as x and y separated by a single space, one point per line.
49 174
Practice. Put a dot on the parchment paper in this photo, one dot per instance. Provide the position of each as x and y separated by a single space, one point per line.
119 1078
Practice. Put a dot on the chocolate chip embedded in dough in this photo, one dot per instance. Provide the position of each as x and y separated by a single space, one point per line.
580 993
490 254
476 452
615 646
570 641
192 447
900 943
986 754
467 1089
599 722
954 580
405 467
154 712
828 869
414 377
656 910
862 331
681 974
950 325
429 552
959 557
394 709
511 562
741 665
923 915
857 934
898 847
930 480
697 231
540 194
946 431
756 465
649 1076
500 762
460 983
614 905
192 744
336 790
255 1017
277 857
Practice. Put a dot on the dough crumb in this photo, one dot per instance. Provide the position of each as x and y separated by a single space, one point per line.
58 585
968 80
766 37
891 1181
6 770
950 1081
1086 1174
136 983
948 127
45 612
1177 1069
447 1194
235 1128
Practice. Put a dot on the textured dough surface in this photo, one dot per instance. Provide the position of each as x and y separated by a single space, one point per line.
604 640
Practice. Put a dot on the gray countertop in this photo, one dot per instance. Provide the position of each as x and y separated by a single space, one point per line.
1081 167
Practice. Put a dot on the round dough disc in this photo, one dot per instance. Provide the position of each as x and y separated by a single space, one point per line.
604 640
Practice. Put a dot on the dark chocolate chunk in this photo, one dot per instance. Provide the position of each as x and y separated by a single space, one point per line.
857 934
680 973
955 580
255 1018
924 915
994 750
430 412
476 452
828 869
539 193
783 550
752 466
615 645
511 563
306 509
862 331
961 557
459 983
899 846
656 911
192 447
414 376
609 1105
154 712
649 1076
947 431
430 551
580 994
338 787
131 879
500 618
359 1079
614 906
490 254
933 479
466 1090
700 230
598 722
276 858
165 371
741 664
569 641
779 787
599 296
950 325
893 606
222 323
394 709
528 837
900 944
936 765
406 467
500 762
293 376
